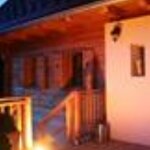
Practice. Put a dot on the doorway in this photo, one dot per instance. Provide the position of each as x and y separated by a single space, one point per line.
77 71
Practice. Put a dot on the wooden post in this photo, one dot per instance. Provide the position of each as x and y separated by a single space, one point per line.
19 125
23 131
28 124
77 113
70 119
2 109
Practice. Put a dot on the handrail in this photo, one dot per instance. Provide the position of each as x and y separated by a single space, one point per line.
82 110
54 112
12 101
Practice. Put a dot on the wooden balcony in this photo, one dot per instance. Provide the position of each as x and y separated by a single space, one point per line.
80 117
20 110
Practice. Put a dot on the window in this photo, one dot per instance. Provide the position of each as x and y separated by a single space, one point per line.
30 72
137 60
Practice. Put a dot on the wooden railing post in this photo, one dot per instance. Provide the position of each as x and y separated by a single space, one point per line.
28 124
19 125
70 119
77 113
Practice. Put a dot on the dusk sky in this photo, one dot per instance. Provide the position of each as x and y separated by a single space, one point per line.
2 2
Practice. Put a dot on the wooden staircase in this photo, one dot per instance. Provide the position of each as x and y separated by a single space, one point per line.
76 116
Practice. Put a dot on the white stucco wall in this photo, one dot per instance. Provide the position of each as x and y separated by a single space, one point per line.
128 97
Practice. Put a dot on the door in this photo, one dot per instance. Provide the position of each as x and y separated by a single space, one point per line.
88 69
77 70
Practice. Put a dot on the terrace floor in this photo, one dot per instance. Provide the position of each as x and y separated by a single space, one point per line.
112 145
55 139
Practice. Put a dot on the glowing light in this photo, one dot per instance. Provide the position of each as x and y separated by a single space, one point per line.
44 142
39 147
2 2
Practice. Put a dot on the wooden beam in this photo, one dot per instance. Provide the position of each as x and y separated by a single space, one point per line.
115 13
144 4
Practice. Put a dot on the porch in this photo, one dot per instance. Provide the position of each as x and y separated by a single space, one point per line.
111 145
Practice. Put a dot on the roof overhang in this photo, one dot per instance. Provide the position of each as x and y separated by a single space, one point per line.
75 20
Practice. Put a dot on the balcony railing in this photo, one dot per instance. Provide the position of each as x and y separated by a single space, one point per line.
84 110
20 110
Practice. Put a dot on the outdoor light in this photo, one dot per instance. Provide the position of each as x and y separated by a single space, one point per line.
2 2
45 142
39 146
116 31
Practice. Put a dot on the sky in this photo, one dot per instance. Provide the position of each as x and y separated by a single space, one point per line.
2 2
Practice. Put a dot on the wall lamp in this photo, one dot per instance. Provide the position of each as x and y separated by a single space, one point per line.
116 31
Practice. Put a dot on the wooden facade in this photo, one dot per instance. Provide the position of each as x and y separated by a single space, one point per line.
55 69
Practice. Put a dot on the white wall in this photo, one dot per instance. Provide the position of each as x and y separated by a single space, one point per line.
128 97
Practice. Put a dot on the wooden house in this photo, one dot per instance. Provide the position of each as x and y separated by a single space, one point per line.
82 50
